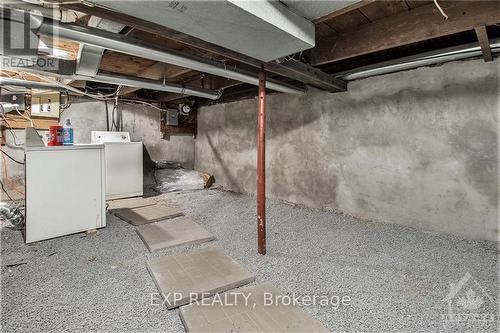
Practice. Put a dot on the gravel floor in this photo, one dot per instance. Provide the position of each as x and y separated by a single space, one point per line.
396 277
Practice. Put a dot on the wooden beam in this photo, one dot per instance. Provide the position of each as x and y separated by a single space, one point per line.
315 77
419 24
17 122
307 75
173 72
484 42
153 72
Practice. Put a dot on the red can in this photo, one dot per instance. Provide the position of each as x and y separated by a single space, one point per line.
55 136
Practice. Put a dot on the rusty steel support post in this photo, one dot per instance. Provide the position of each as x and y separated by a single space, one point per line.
261 165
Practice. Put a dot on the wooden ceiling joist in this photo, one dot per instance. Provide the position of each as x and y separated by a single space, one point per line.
307 74
408 27
153 72
484 42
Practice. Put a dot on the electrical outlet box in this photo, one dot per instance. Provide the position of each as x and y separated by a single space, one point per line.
172 118
13 98
45 104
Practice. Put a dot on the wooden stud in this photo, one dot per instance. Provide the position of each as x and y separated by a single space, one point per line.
484 42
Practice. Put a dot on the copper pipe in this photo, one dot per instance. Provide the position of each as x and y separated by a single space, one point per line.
261 165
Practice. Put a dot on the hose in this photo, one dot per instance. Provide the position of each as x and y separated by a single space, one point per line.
11 214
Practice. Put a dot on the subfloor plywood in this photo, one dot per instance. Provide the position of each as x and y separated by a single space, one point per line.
248 310
172 233
146 214
198 274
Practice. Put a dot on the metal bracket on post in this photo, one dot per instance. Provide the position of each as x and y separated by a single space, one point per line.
261 165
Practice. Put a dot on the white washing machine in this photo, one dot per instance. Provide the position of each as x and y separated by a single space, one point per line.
124 177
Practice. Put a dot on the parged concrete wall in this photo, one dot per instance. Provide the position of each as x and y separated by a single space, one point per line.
143 123
417 148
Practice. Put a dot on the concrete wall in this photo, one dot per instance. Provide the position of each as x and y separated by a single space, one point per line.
143 123
417 148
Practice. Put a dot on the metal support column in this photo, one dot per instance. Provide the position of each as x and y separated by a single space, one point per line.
261 165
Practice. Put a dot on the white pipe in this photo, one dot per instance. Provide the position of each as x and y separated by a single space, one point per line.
6 81
424 59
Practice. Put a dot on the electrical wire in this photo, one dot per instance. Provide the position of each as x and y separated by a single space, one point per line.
107 115
113 123
7 179
25 117
12 132
131 101
4 190
11 158
68 87
66 104
440 9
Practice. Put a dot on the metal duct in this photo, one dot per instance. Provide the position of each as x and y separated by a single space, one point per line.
89 60
117 80
5 81
423 59
89 57
264 29
127 45
153 85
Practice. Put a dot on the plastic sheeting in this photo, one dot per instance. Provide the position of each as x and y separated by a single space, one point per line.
175 180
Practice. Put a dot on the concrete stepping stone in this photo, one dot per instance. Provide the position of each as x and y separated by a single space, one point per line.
172 233
129 203
195 275
146 214
248 310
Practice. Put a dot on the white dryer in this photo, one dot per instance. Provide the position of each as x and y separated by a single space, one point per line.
124 177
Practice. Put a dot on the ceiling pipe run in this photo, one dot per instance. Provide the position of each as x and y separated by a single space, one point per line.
152 85
116 80
134 47
415 61
6 81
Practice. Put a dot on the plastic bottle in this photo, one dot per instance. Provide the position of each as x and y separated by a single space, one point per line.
68 133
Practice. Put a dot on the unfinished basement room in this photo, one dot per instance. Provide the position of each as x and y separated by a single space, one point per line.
249 166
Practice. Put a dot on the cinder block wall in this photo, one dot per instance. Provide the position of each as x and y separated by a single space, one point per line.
417 148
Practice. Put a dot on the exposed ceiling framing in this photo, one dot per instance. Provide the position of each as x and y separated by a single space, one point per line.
365 33
307 76
406 27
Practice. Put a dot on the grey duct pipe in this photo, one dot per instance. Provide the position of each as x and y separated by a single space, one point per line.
5 81
423 59
127 45
153 85
114 79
